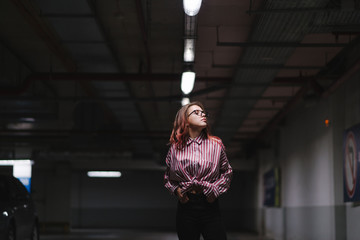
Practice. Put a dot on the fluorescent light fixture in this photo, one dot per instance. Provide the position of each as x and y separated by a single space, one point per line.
185 101
191 7
20 126
104 174
189 54
187 82
29 119
12 162
22 170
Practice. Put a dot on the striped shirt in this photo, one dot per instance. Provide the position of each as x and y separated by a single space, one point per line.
202 163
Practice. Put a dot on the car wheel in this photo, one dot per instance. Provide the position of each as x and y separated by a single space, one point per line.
35 233
11 232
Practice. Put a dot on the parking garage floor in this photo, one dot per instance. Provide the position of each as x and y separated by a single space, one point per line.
106 234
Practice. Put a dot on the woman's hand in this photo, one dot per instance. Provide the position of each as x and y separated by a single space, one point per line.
183 198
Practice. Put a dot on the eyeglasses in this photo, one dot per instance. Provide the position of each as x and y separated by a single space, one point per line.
199 113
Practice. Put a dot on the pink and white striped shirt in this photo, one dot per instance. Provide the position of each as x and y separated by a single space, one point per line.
202 163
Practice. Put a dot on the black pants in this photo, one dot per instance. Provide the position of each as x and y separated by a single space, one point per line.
196 217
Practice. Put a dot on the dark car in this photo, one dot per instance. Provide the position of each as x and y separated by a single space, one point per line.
18 218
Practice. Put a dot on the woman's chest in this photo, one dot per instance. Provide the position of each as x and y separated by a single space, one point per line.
197 156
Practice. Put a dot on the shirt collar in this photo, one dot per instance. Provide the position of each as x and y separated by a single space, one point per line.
198 139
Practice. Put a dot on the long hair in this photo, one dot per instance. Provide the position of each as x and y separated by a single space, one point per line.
180 132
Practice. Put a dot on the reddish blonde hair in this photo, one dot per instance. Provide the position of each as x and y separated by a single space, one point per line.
180 132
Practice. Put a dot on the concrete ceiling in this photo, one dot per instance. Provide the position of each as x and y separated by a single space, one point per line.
101 79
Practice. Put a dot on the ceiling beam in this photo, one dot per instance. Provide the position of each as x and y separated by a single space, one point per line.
83 77
124 77
118 77
169 98
64 134
223 82
68 15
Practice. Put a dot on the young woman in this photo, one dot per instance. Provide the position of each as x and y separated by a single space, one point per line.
197 172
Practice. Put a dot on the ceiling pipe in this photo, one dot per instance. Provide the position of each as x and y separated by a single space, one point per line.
293 10
168 98
162 77
274 44
266 66
99 77
280 44
67 132
121 77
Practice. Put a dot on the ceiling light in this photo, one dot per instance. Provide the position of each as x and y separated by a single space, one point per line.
185 101
11 162
20 126
107 174
187 82
191 7
189 54
27 119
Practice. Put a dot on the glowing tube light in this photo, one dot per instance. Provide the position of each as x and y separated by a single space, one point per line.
192 7
187 82
185 101
189 55
104 174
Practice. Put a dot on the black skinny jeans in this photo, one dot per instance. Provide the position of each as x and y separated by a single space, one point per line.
196 217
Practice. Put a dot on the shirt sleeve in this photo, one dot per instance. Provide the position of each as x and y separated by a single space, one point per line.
170 185
222 184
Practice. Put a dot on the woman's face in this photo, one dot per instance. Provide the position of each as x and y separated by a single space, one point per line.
196 117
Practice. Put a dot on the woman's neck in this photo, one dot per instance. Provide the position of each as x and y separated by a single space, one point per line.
194 133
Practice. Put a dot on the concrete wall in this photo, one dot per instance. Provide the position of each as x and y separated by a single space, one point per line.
139 200
67 198
346 113
310 157
51 194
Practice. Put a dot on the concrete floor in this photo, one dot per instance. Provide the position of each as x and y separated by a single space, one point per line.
112 234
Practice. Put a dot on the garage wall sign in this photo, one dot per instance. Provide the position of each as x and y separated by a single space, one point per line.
272 188
351 164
